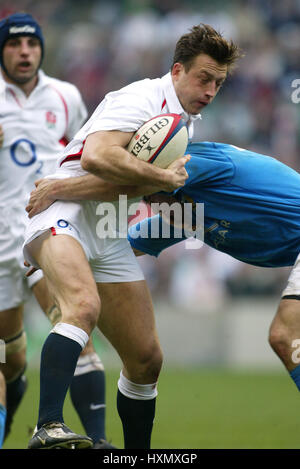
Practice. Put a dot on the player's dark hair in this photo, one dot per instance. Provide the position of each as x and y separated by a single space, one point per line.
204 39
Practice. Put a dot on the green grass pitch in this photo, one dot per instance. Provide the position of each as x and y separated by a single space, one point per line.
196 408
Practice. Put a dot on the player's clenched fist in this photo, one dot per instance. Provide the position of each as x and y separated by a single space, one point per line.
177 173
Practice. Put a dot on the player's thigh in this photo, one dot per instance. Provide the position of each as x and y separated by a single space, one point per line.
68 274
127 320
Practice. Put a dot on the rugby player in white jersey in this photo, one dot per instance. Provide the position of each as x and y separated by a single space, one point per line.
38 115
87 270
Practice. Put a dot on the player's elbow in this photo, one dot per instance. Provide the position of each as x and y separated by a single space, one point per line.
88 162
92 161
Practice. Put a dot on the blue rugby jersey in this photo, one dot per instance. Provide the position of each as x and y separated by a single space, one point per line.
251 205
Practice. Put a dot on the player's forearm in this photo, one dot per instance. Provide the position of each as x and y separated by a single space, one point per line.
91 187
117 165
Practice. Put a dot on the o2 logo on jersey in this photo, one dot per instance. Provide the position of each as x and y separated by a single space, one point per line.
50 119
23 152
62 223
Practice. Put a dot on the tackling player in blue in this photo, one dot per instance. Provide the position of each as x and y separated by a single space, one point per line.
251 206
251 212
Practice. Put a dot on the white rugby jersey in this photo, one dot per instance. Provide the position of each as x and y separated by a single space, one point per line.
126 110
36 129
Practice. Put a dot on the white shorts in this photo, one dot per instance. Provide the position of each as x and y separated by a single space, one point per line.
111 259
293 286
14 286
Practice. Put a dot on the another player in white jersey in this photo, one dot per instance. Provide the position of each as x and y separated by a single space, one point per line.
88 269
38 116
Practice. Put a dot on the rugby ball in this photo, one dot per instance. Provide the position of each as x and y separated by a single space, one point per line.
161 140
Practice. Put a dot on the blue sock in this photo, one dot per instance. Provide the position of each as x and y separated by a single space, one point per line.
295 375
2 423
87 392
137 419
58 362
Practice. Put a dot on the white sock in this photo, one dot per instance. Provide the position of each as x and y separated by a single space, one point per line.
87 363
72 332
142 392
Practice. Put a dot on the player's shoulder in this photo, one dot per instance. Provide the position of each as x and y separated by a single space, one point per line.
147 89
146 83
65 87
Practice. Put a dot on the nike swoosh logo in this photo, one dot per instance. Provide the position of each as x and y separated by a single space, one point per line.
97 406
42 440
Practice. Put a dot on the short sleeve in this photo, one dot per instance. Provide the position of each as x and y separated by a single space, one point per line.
125 110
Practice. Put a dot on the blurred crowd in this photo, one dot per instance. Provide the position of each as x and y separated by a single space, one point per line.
103 45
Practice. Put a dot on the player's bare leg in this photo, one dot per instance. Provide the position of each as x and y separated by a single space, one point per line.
2 407
72 285
285 328
52 311
88 380
12 332
127 320
284 335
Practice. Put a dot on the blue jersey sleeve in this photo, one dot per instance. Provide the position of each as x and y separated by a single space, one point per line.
153 235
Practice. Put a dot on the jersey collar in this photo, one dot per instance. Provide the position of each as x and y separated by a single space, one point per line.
43 80
173 101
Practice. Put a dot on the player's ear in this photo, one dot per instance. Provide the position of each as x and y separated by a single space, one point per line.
177 69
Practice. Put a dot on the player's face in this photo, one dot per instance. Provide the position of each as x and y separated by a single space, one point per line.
21 57
197 87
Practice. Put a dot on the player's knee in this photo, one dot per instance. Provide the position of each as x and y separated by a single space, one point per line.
155 365
14 365
282 329
279 339
15 355
84 310
89 309
149 364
